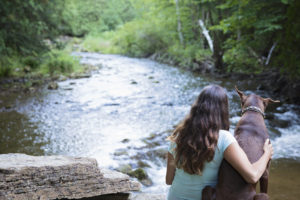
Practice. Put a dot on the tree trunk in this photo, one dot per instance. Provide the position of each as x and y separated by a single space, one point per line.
206 34
270 53
179 23
218 39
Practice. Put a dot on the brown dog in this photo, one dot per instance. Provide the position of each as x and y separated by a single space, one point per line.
250 133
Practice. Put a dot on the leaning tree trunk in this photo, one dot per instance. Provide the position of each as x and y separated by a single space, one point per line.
206 35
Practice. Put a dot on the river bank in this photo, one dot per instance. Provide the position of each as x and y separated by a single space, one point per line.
30 83
272 81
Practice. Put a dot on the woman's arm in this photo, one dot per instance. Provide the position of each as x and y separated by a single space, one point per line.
170 169
236 156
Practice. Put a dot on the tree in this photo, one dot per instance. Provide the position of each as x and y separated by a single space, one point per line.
24 26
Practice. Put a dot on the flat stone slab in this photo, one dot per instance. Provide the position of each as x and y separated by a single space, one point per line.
58 177
147 196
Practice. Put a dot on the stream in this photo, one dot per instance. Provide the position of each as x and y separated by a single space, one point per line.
123 113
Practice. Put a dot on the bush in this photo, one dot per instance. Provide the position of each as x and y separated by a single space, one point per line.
239 59
140 39
185 57
60 62
101 42
32 62
8 66
5 70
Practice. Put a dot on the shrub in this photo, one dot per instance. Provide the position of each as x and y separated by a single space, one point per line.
33 62
5 70
140 39
60 62
239 59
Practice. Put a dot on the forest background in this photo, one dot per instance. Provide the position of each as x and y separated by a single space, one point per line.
231 36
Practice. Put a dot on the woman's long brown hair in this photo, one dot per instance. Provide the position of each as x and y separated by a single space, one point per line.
197 136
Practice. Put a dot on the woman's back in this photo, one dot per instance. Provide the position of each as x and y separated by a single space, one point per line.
188 186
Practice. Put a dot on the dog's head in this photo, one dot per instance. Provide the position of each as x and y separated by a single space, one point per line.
254 100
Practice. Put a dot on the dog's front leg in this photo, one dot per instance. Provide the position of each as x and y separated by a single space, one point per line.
263 181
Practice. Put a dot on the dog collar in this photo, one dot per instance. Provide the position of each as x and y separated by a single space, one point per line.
255 109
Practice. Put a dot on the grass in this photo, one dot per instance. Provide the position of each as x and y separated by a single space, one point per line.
60 62
53 63
101 42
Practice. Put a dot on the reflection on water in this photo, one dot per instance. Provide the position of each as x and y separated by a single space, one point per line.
284 181
124 112
19 135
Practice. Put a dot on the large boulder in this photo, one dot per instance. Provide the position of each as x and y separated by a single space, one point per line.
147 196
58 177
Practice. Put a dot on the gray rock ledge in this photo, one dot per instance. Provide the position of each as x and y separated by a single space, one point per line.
58 177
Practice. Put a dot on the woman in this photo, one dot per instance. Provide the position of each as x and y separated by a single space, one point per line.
199 144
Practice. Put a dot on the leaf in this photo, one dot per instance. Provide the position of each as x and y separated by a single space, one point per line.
285 1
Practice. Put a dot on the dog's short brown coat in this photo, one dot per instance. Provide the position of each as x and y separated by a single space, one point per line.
250 133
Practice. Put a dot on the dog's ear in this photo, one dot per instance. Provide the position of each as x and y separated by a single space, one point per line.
269 100
241 94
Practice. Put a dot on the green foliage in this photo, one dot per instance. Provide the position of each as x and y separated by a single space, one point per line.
58 62
9 66
101 42
243 32
24 25
32 61
140 39
289 53
185 57
82 17
239 59
5 70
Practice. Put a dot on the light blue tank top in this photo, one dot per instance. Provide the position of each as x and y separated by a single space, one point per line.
189 187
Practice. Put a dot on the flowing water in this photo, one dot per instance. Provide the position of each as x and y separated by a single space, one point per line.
123 113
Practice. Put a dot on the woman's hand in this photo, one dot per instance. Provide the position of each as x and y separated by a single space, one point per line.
268 149
251 172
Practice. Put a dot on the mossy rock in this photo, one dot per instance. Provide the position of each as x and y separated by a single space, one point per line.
143 164
121 152
139 173
126 169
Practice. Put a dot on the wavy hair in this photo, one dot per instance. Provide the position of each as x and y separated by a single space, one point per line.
197 135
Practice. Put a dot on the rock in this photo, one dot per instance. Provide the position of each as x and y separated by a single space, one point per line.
121 152
142 164
9 106
157 153
167 104
62 78
146 196
126 140
68 89
133 82
126 169
139 174
30 89
53 86
78 76
147 182
58 177
27 69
